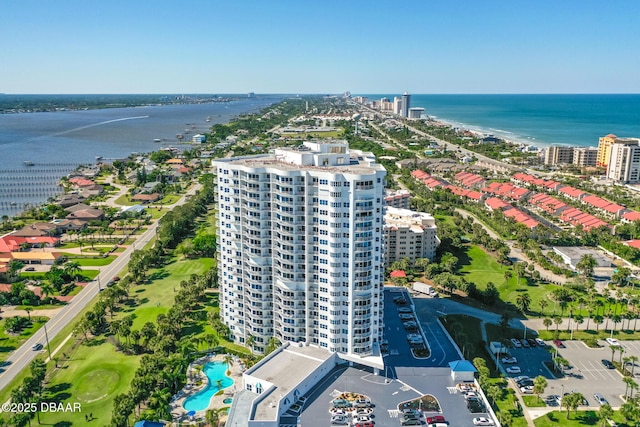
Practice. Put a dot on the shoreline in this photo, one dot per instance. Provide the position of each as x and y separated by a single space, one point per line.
539 120
505 135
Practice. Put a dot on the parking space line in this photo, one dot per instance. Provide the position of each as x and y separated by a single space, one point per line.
598 370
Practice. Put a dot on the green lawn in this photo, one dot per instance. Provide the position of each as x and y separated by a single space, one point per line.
125 200
9 342
92 376
157 296
533 402
480 267
575 419
95 262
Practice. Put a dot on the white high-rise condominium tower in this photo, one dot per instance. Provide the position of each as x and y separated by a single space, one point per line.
300 247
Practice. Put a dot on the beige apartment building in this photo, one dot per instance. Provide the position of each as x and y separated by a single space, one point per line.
409 234
558 154
585 156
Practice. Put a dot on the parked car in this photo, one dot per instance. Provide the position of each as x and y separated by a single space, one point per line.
405 310
410 325
613 341
365 424
600 399
525 343
482 421
435 419
475 406
527 389
364 419
341 403
513 370
553 399
410 422
558 343
607 364
509 360
30 269
339 420
532 342
525 383
405 316
400 300
516 342
362 403
411 416
540 342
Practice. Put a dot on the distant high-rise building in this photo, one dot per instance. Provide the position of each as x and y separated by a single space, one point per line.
604 150
416 112
585 156
397 105
557 154
624 163
300 247
406 104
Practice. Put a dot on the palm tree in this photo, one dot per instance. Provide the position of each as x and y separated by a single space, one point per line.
613 349
508 275
46 289
633 360
523 301
605 413
251 340
586 265
539 384
598 319
211 416
228 359
543 304
558 321
627 381
547 322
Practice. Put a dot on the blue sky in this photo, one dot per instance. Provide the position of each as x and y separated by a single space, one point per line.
429 46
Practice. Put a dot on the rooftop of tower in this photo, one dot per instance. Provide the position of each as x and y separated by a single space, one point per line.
329 156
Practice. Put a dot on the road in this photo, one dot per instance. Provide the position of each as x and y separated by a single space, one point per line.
24 355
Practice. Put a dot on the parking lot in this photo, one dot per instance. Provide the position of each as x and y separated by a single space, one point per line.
407 377
530 361
588 375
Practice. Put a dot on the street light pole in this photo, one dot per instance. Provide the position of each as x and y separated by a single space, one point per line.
46 336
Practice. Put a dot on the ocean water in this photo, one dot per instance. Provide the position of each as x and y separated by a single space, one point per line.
57 142
537 119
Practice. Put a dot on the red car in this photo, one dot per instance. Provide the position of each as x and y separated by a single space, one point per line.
558 343
436 419
365 424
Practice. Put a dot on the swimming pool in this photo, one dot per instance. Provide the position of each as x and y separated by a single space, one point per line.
218 380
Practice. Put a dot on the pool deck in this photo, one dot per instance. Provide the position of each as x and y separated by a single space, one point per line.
196 375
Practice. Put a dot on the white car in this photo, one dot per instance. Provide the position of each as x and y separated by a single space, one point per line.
541 342
613 341
509 360
513 370
364 419
516 342
339 420
482 421
526 389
